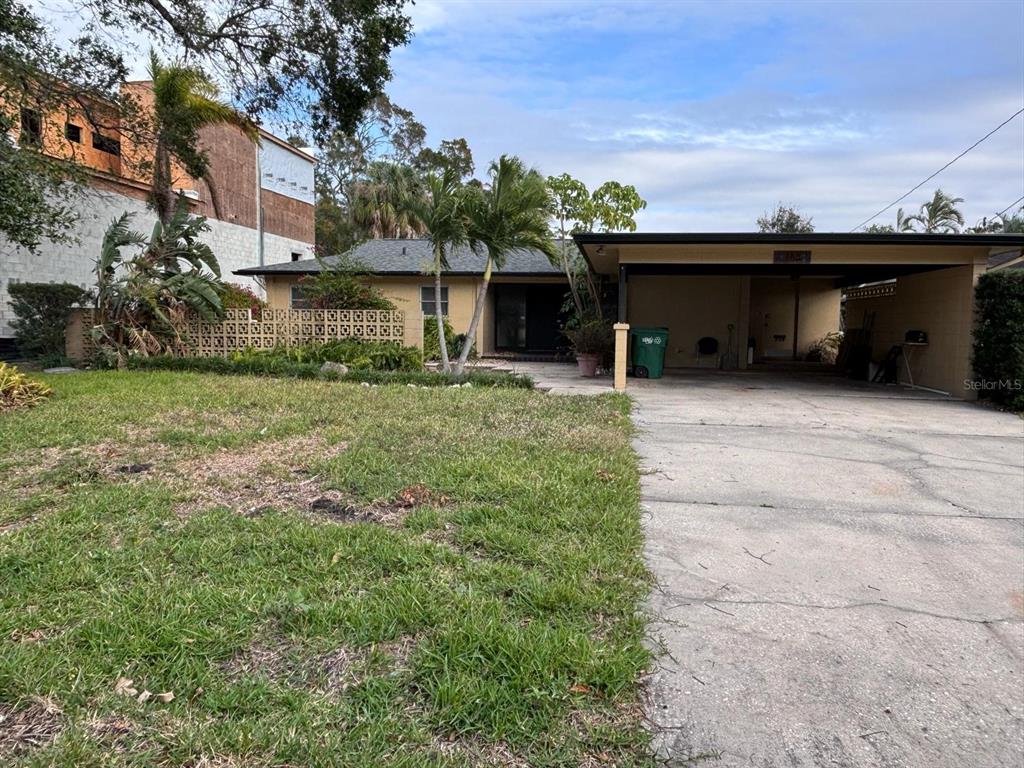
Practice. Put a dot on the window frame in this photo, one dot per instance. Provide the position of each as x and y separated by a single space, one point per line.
106 144
30 127
427 297
297 298
71 131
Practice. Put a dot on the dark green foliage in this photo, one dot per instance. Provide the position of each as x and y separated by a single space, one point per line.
355 353
431 346
234 296
999 337
42 311
343 286
282 367
785 219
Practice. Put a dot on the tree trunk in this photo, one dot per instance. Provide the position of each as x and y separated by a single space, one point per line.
439 314
478 311
163 195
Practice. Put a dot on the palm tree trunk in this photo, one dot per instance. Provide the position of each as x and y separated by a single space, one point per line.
478 311
163 195
439 314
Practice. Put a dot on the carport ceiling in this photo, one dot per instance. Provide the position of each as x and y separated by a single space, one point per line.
844 274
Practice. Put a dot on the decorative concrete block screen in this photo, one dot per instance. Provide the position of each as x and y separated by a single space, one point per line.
241 328
291 327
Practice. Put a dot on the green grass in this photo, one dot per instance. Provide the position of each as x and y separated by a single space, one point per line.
498 626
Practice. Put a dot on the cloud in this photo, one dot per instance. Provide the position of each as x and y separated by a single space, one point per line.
718 111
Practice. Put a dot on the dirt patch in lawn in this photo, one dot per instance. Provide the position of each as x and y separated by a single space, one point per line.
28 728
329 673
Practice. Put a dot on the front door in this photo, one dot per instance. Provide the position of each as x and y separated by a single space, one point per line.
528 317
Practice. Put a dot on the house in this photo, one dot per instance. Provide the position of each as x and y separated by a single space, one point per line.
524 304
265 195
769 296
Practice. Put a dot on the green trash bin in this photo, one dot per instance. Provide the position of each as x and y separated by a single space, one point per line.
647 351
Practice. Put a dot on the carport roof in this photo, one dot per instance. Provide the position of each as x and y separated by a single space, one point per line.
770 252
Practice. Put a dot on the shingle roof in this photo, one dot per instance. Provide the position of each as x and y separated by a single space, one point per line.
413 257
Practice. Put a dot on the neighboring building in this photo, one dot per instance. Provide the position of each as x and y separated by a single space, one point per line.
272 178
524 304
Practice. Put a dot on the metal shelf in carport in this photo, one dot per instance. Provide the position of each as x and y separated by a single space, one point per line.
647 351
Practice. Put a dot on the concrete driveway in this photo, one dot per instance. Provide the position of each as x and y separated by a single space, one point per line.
841 574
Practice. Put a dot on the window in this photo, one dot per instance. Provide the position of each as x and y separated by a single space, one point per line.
296 255
300 297
427 300
73 132
106 144
31 128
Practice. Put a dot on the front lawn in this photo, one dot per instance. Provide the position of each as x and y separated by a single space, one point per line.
320 573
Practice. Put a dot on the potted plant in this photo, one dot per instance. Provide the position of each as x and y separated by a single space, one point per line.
590 341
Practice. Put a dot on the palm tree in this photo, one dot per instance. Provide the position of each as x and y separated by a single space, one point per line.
508 214
439 214
185 101
904 223
940 214
378 209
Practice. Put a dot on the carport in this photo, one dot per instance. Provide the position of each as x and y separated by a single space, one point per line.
765 296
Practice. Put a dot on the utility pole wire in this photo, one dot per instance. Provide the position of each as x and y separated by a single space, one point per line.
1019 199
901 197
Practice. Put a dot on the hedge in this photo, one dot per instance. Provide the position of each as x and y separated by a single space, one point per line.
999 337
41 313
285 368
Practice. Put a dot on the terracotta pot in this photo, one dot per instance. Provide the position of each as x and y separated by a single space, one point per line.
588 362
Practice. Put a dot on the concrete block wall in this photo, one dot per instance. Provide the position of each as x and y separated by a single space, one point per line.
235 247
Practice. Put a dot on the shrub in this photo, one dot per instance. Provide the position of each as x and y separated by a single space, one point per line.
999 337
355 353
826 349
19 391
593 337
234 296
343 286
269 366
41 313
431 345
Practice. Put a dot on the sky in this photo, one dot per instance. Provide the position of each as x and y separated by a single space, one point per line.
716 111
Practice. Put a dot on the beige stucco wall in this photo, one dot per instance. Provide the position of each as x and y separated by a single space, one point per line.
690 307
772 306
405 293
940 303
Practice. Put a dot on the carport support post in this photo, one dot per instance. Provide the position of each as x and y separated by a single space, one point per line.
623 289
796 316
621 348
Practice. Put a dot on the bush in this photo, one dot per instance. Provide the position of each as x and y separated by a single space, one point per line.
269 366
343 286
234 296
999 337
41 314
826 349
19 391
593 337
431 345
355 353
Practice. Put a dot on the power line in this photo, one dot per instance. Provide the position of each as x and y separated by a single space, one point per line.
901 197
1019 199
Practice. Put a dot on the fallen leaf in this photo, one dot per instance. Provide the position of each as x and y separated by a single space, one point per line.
580 688
335 558
123 686
165 698
144 697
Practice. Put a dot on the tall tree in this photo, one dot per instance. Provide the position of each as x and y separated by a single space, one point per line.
511 212
379 208
785 219
611 207
184 102
311 63
440 213
452 153
940 214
